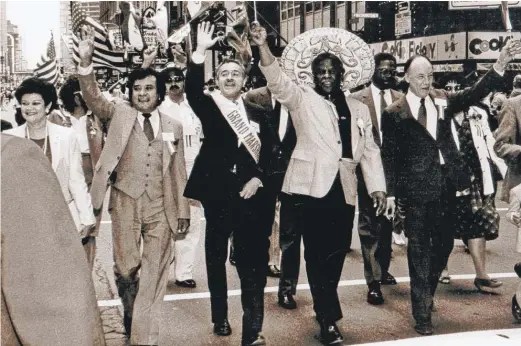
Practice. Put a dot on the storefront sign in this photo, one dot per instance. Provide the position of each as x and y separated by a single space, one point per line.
436 48
476 5
485 66
158 61
448 68
150 37
115 39
488 45
402 23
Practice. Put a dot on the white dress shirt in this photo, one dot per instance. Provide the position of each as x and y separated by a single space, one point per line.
283 122
79 125
376 100
154 120
432 114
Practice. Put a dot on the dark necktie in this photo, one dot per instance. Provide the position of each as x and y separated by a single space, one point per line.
383 104
147 127
422 114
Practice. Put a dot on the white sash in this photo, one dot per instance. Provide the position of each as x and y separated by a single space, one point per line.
240 125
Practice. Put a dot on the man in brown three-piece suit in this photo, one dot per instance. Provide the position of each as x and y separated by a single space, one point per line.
143 159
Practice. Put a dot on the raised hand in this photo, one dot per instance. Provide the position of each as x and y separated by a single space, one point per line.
149 55
508 53
86 45
258 34
204 37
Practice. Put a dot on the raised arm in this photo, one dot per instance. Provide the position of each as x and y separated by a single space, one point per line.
281 86
92 95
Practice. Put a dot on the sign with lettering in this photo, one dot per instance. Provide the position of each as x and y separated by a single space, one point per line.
485 66
488 45
150 37
476 5
115 38
402 23
448 68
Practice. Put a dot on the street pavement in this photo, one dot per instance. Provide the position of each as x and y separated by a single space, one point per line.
460 307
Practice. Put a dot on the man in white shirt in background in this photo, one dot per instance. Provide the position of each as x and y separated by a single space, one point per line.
176 106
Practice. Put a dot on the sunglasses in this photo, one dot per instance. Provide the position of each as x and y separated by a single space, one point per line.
175 79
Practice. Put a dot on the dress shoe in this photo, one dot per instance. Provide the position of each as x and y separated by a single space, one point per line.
375 296
424 328
388 279
223 328
186 283
273 271
517 269
330 335
488 286
287 302
258 340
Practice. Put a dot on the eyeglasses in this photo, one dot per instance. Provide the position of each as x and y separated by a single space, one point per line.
175 79
384 71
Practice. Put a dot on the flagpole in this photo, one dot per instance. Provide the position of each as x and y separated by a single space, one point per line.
255 10
505 15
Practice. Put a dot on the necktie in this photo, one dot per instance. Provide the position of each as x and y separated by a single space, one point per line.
422 114
383 104
147 127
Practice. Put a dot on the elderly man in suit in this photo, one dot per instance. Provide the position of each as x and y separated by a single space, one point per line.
424 169
280 144
40 250
334 136
227 179
143 159
376 231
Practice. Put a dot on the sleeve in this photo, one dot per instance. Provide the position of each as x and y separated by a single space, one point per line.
194 86
179 173
390 150
77 185
515 204
282 87
94 99
506 146
490 141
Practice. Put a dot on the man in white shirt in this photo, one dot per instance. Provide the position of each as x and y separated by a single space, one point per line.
176 105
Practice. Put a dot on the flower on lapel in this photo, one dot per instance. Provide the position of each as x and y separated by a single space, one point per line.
441 104
360 124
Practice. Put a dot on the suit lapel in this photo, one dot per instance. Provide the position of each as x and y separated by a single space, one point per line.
369 101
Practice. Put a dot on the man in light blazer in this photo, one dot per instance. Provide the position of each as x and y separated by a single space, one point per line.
143 159
47 295
334 136
376 231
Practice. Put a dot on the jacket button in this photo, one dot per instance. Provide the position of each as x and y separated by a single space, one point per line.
108 172
117 157
146 175
339 142
148 164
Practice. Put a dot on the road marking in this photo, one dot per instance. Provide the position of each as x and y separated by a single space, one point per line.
300 287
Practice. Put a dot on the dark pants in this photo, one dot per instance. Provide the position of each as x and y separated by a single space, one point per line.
326 226
290 239
251 246
375 237
430 242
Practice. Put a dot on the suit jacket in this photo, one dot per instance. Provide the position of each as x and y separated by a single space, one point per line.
122 118
317 158
40 250
6 125
366 97
508 143
275 159
66 162
222 167
411 154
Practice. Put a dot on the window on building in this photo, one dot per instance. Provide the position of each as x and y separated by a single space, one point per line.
284 5
284 15
290 13
309 6
325 4
317 5
297 11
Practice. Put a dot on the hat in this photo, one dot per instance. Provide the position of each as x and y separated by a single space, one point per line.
353 52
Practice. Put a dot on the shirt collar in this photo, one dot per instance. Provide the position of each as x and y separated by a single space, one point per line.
153 114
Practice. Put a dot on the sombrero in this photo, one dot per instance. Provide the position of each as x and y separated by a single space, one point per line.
355 54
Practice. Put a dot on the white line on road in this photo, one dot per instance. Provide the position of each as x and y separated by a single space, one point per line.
300 287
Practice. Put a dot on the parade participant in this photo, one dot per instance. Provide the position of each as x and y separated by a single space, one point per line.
334 136
376 231
143 160
280 144
61 147
47 295
516 85
227 179
176 105
425 170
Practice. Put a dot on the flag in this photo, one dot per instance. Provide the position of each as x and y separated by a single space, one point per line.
103 55
47 68
161 22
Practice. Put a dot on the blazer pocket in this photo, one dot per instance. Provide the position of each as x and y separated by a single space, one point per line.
302 171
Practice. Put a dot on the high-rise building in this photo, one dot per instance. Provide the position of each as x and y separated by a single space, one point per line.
13 56
65 38
3 39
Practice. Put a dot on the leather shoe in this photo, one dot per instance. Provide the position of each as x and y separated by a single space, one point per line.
273 271
330 335
287 302
517 269
186 283
223 328
484 285
375 296
388 279
258 340
424 328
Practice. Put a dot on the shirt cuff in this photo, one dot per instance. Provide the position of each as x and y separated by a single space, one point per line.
502 73
392 198
198 58
84 71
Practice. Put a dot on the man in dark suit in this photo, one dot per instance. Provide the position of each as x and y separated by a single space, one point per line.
423 167
279 145
6 125
376 231
226 179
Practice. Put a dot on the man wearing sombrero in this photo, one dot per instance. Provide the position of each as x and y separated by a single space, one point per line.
334 136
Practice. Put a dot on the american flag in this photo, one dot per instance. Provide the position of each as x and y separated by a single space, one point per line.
47 67
103 56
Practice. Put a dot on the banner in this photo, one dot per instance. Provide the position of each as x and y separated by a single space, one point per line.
488 45
448 68
485 66
402 23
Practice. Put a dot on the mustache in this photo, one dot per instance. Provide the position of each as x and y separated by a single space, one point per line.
175 87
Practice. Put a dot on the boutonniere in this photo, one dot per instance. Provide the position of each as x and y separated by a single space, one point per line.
441 104
360 124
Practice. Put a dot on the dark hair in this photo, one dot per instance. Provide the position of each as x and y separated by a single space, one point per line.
378 58
337 63
142 73
165 74
67 93
411 59
38 86
230 60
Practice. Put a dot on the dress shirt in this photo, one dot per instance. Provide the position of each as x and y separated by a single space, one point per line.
154 120
283 121
79 125
432 114
376 100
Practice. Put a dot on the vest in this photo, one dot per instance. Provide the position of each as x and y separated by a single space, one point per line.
141 166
